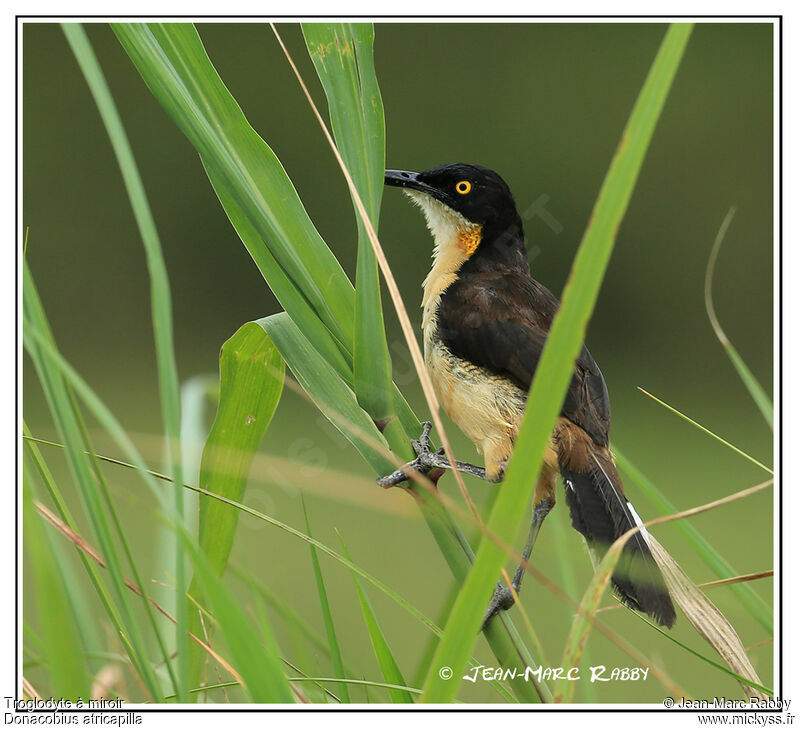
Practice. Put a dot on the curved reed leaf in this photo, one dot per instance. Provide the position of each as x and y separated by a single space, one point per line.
757 393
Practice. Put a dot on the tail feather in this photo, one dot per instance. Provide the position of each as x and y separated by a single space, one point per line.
601 513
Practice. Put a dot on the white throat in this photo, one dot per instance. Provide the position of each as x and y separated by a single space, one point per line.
451 233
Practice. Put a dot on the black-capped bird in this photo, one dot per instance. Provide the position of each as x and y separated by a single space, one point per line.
485 321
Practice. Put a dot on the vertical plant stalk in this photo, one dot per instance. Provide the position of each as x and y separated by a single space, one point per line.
161 305
342 55
555 367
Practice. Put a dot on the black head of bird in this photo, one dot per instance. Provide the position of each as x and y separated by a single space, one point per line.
468 205
477 193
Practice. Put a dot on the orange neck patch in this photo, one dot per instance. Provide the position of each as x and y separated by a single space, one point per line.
469 239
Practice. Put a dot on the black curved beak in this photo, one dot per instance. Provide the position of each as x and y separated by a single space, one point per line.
411 181
403 179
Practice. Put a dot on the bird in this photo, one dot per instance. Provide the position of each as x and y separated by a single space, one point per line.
485 320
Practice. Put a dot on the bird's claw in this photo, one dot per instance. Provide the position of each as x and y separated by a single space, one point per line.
423 444
422 464
502 600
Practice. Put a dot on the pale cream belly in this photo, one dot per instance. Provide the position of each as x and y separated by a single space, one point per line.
487 408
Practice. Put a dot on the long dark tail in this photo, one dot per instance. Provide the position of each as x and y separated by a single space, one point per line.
601 513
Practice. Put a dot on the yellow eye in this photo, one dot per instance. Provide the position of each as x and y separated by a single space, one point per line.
463 187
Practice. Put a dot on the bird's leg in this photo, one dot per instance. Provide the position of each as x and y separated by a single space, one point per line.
427 460
503 598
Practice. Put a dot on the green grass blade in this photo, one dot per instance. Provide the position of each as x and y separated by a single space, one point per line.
709 432
256 658
757 393
581 625
355 682
327 617
754 604
336 352
173 63
562 538
703 657
51 373
288 613
342 56
556 365
389 668
60 645
160 298
250 386
64 513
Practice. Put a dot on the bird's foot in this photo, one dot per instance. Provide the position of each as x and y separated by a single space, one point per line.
425 461
502 600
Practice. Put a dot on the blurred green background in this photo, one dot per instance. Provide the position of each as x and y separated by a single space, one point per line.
543 104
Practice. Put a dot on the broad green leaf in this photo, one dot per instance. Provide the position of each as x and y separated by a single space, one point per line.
391 672
173 62
329 392
336 352
250 383
342 56
555 367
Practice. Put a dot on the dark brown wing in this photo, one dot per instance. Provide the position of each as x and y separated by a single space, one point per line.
499 321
